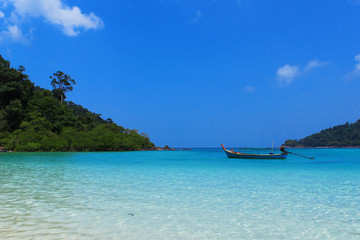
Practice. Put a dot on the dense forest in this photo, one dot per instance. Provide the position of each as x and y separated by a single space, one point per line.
36 119
346 135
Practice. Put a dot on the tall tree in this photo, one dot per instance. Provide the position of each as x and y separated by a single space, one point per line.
61 84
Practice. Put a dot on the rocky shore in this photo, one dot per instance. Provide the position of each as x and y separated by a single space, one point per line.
167 148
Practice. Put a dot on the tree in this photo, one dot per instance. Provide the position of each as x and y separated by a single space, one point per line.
61 84
32 119
21 69
14 114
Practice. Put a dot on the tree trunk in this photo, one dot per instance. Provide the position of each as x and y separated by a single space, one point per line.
61 98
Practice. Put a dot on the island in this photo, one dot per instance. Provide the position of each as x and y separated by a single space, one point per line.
341 136
37 119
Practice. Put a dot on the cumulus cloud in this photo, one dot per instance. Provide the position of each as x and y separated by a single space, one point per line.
286 74
314 64
12 33
71 20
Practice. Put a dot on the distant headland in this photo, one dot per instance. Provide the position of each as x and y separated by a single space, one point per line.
341 136
37 119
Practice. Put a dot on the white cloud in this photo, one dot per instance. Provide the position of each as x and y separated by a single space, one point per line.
12 33
357 65
356 72
197 16
2 15
314 64
249 88
70 19
286 74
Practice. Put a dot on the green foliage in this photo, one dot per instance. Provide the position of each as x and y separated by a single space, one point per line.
33 119
61 84
346 135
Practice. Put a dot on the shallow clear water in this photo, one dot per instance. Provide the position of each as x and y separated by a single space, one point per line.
198 194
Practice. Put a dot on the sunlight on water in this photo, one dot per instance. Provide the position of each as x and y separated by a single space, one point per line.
198 194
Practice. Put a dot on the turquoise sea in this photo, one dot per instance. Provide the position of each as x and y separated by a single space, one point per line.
197 194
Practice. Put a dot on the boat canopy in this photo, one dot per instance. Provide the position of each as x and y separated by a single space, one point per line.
257 150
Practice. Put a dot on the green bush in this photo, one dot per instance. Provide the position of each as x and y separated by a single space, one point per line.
34 119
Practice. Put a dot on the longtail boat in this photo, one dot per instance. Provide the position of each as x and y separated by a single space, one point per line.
255 154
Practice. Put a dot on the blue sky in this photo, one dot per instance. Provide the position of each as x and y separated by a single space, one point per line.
197 73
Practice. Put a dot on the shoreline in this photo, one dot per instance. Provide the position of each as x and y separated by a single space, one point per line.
171 150
322 147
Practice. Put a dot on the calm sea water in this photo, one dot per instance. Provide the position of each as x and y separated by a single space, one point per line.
198 194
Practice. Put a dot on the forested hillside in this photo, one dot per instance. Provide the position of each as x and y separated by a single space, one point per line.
346 135
36 119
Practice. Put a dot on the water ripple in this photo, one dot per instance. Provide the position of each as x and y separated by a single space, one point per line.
176 195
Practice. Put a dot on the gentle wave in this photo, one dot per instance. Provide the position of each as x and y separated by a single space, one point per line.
198 194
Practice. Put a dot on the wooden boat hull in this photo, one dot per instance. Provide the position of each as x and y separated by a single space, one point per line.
231 154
